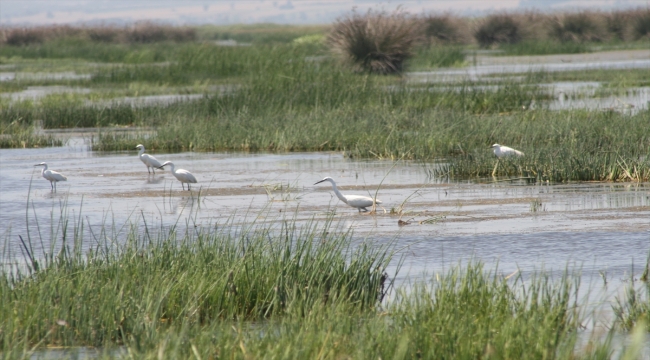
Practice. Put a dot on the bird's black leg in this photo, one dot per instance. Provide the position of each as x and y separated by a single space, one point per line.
188 186
183 185
148 170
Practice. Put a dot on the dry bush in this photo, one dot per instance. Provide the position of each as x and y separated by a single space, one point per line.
641 24
498 29
578 27
37 35
139 33
150 33
444 29
377 42
105 34
618 24
533 25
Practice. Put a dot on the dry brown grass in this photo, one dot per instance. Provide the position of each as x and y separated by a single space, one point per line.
641 24
444 29
377 42
498 29
578 27
138 33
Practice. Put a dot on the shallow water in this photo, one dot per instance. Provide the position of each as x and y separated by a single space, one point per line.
604 224
600 231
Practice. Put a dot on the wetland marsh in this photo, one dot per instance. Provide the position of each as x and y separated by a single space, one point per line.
258 262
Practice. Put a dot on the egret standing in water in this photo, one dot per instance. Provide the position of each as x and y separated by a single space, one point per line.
356 201
503 151
183 176
52 176
148 160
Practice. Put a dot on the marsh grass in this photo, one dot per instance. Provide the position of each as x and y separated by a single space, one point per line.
254 290
632 309
437 56
18 134
130 284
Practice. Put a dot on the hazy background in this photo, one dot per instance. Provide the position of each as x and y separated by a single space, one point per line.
38 12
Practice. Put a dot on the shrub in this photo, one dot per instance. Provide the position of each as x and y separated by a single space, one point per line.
498 29
443 29
618 23
376 41
641 28
104 34
150 33
577 27
37 35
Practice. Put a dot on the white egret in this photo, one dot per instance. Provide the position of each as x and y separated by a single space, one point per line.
52 176
183 176
356 201
504 151
148 160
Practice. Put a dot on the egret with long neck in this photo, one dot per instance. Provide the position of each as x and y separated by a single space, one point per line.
356 201
184 176
52 176
148 160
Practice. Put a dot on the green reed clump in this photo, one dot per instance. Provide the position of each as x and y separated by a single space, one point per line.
19 134
437 56
633 308
124 290
561 146
467 313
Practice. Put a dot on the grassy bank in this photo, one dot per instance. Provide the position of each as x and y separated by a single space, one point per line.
284 290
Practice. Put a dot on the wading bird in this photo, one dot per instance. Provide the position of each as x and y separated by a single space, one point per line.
502 151
52 176
181 175
356 201
148 160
